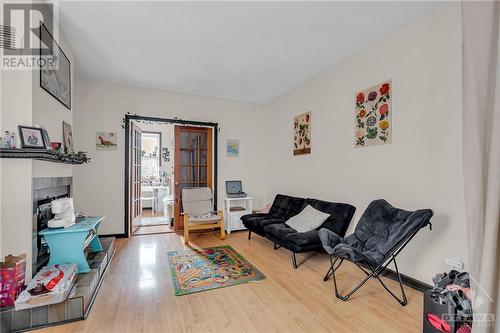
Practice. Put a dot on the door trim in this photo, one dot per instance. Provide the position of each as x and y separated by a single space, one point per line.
178 130
128 118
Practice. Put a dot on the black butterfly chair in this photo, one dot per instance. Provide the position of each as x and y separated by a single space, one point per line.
381 233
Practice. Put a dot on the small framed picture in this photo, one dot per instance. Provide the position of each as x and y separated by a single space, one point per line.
31 137
46 139
106 140
68 137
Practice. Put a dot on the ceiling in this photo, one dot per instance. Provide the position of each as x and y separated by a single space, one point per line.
245 51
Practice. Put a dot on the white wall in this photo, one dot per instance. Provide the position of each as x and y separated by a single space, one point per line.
100 106
23 102
421 168
15 175
50 113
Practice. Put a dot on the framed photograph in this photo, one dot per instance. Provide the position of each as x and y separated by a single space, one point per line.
55 69
46 138
106 140
68 137
302 134
31 137
233 148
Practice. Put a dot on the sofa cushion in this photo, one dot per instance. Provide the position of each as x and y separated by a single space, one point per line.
304 238
308 219
257 222
285 206
340 214
278 231
304 241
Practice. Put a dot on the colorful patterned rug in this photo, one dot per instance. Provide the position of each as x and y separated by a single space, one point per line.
210 268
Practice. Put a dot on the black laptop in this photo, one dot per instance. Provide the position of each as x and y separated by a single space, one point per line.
234 189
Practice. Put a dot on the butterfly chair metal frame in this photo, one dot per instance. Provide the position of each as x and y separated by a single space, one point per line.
375 271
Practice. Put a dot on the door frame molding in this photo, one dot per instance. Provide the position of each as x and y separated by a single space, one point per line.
128 118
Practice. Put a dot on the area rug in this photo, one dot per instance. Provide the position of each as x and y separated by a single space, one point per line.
210 268
157 220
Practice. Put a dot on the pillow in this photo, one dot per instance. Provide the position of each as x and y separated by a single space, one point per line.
308 219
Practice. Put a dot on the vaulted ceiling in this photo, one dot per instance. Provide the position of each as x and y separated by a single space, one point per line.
245 51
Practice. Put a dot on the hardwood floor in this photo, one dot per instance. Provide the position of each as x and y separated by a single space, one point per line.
137 294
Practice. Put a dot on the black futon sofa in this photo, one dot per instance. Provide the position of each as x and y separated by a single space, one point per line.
272 225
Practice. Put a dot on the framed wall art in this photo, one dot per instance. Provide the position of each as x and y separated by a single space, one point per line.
372 116
55 70
106 140
233 148
302 134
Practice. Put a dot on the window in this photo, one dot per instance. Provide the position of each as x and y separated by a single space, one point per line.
151 151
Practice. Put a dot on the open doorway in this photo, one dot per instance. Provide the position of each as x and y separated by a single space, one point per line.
162 157
156 178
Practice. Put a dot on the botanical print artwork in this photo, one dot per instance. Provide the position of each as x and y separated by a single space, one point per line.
373 116
233 148
106 140
302 134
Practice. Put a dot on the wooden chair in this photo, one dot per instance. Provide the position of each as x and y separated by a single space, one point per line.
198 207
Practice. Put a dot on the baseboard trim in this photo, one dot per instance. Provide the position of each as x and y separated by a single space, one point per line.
407 280
114 235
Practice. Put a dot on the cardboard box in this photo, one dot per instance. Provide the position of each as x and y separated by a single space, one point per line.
12 277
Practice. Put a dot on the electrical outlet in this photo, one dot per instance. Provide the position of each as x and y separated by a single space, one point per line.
455 263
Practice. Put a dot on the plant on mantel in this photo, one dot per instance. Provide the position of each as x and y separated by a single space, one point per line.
79 157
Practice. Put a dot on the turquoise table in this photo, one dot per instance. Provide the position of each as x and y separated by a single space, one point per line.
67 244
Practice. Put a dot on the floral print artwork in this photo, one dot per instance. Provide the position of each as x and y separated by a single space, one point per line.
373 115
302 134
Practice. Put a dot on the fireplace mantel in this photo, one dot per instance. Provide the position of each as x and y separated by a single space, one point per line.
37 154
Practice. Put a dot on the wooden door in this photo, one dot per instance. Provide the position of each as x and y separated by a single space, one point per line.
192 163
135 177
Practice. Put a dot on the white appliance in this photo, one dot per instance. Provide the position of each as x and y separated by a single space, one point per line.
64 213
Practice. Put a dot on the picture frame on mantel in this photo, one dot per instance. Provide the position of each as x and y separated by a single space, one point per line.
68 137
55 69
31 137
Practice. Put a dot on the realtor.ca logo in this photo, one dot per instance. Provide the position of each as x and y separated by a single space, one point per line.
25 42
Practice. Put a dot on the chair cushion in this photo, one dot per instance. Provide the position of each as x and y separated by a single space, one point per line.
379 231
197 200
204 219
308 219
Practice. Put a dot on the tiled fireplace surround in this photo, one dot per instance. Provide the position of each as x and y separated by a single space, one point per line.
44 191
79 301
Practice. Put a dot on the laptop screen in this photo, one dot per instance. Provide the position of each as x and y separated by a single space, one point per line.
233 187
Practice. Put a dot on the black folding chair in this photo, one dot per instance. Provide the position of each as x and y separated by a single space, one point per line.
380 235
